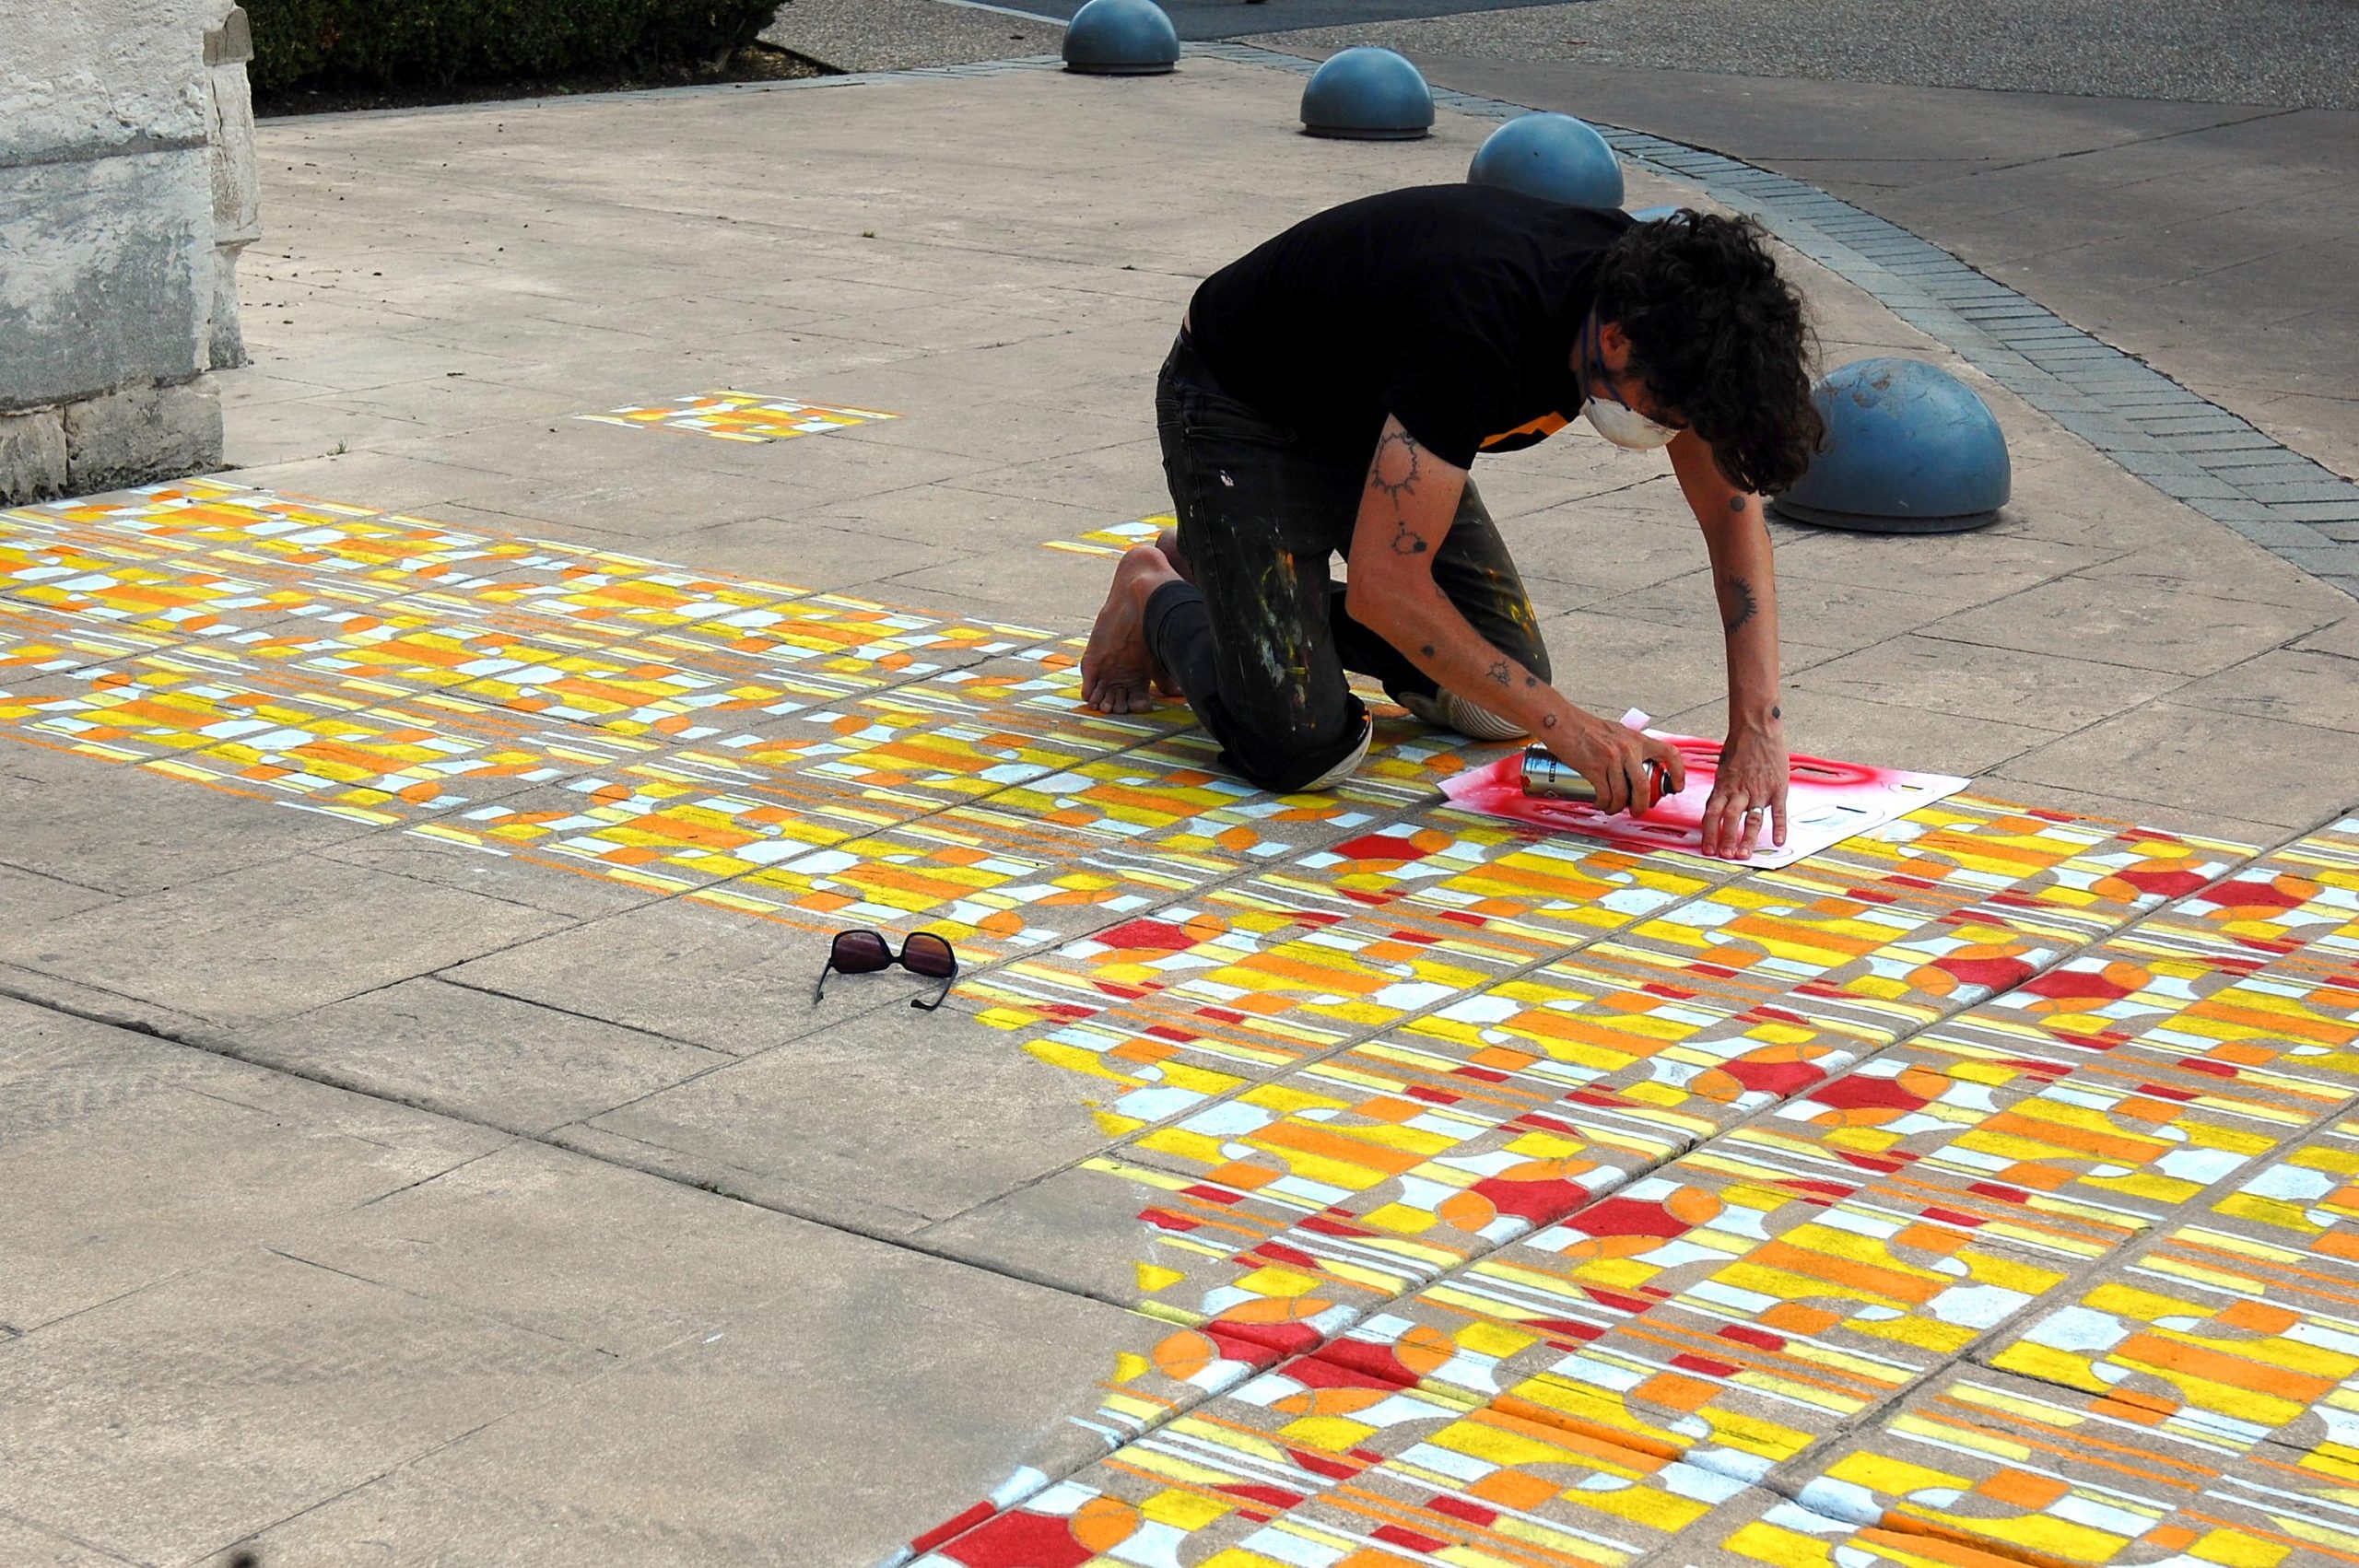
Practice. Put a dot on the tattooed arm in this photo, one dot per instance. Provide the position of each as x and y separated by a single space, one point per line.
1406 512
1753 766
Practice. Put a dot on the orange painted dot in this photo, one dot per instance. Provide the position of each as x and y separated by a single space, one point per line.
1102 1524
1182 1356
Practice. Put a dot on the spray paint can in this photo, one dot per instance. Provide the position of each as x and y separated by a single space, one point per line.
1548 777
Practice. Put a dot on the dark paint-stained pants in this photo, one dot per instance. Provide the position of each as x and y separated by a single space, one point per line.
1260 642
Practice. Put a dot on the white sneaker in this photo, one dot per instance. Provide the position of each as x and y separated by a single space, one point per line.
1345 769
1447 710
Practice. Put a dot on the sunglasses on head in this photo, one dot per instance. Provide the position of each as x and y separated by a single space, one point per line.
865 952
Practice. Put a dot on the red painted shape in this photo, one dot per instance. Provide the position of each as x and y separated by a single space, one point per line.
1864 1091
1782 1079
1019 1541
1145 936
1759 1339
2171 883
957 1524
2000 974
2251 896
1379 846
1464 1508
1393 1535
1630 1217
2078 985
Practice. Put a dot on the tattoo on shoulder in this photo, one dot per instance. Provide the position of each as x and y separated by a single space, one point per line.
1500 673
1396 469
1737 602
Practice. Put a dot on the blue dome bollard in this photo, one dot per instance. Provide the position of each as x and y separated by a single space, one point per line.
1553 157
1369 94
1649 214
1121 38
1910 449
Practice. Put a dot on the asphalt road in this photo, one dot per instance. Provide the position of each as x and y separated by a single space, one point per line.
1204 19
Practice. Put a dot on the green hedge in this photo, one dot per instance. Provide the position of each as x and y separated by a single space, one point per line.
443 42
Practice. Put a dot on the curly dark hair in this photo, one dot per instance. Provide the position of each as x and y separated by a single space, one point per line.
1719 339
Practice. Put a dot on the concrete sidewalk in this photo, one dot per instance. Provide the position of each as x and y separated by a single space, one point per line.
388 1200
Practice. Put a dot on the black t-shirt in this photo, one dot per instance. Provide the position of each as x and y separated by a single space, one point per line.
1452 308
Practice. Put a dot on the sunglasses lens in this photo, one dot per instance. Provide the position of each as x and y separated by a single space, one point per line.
861 953
928 954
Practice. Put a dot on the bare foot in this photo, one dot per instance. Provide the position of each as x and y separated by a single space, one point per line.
1118 674
1167 540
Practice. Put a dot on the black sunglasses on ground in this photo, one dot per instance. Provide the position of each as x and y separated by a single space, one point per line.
865 952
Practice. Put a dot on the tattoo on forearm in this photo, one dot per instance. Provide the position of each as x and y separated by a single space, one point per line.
1547 721
1428 650
1737 603
1736 503
1500 673
1775 711
1532 679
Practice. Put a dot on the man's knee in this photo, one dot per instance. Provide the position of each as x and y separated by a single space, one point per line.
1287 760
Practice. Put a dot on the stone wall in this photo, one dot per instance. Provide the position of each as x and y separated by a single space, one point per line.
126 191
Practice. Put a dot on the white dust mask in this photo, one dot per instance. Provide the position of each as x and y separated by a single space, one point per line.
1608 414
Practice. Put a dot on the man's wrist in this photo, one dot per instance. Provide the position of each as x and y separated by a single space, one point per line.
1768 717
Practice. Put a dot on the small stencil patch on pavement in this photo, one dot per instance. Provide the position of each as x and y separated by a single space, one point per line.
740 416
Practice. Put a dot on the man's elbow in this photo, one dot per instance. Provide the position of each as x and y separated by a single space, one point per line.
1366 606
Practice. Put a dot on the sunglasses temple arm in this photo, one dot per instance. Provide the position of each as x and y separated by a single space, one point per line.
947 981
820 989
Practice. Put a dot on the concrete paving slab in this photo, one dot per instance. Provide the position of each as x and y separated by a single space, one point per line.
58 1068
676 1456
104 1214
319 1382
1964 680
1710 1310
2305 688
1915 736
476 1056
892 1119
2011 1466
28 1544
2211 1335
1765 1528
30 897
275 939
1293 1468
716 979
2176 631
128 832
2079 1149
2295 903
2197 760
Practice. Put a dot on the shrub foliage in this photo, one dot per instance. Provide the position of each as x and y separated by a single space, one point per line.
444 42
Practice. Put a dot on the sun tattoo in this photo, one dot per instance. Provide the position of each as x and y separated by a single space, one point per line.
1737 603
1396 470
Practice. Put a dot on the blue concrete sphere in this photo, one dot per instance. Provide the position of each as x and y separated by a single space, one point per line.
1909 449
1121 38
1553 157
1649 214
1369 94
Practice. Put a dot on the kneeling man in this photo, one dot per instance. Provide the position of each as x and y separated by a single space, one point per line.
1328 393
